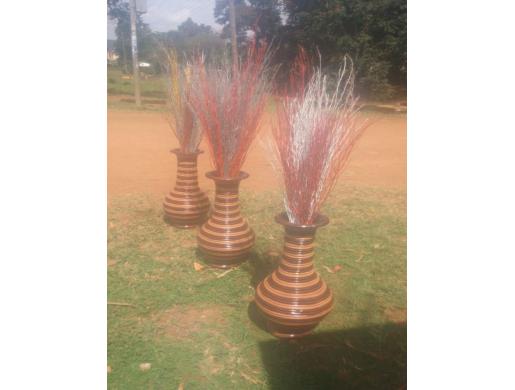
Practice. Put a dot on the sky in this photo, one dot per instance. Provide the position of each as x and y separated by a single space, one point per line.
165 15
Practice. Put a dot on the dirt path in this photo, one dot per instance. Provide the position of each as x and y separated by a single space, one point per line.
139 160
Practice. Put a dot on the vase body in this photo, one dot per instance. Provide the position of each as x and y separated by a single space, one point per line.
294 299
225 239
186 206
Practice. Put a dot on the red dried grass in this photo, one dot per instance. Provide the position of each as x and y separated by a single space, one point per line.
229 105
314 135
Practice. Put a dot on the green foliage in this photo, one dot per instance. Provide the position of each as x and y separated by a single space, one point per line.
191 38
119 11
200 328
372 32
260 16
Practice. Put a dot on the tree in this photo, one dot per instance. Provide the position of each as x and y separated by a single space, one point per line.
189 28
118 10
260 16
192 38
373 32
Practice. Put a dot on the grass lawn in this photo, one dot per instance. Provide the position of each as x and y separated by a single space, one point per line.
151 87
200 330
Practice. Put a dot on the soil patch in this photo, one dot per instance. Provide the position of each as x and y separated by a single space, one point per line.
139 158
396 315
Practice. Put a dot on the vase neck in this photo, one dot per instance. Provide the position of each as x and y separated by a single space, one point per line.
227 200
299 247
296 264
222 187
187 175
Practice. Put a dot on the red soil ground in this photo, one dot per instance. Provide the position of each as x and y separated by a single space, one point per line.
139 160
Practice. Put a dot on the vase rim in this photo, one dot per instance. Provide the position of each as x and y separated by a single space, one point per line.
214 175
178 152
320 220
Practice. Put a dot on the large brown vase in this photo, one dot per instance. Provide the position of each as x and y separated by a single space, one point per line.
225 239
294 299
186 206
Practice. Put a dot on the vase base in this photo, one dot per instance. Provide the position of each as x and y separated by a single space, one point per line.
288 331
224 263
184 224
185 227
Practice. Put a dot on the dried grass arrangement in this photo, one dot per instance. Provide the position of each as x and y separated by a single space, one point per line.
229 101
186 205
314 135
179 115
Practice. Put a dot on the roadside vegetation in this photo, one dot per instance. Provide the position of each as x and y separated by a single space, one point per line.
372 33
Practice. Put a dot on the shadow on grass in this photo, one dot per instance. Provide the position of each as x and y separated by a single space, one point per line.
260 265
372 357
367 357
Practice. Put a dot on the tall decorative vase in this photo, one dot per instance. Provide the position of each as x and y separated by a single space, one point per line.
186 206
294 299
225 239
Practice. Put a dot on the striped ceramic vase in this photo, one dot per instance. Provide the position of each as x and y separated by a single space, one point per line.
225 239
294 299
186 206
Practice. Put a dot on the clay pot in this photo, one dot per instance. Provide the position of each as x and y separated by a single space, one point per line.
294 299
225 239
186 206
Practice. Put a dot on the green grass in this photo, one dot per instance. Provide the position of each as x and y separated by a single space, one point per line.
127 104
152 87
202 331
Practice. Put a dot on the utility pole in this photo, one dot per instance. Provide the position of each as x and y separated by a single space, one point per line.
124 52
232 15
134 44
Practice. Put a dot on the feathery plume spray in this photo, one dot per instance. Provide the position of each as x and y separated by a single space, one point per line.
180 116
228 101
315 132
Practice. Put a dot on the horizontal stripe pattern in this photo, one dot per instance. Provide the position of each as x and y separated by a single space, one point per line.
225 239
186 205
294 298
